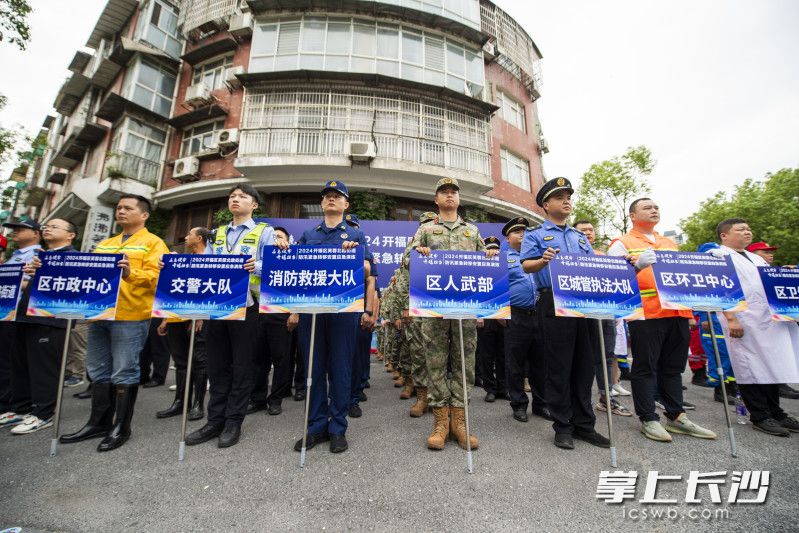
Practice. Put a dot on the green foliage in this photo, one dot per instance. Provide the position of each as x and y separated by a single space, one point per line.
608 187
158 222
475 214
368 205
224 216
771 207
14 27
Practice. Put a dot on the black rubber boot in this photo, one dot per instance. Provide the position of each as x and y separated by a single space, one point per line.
200 385
177 404
84 395
125 397
101 417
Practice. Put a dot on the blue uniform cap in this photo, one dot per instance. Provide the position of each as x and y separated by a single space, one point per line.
352 220
707 246
491 243
335 185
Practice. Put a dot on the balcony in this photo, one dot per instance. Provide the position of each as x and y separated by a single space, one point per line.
111 21
78 140
70 94
122 165
205 15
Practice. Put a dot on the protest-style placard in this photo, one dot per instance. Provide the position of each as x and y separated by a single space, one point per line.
595 286
312 278
782 292
76 285
452 284
10 284
193 286
695 281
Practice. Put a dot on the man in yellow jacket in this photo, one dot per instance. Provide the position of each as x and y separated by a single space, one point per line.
112 358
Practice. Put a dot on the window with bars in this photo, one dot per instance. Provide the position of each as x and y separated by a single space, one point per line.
356 45
200 138
511 110
212 73
515 169
403 127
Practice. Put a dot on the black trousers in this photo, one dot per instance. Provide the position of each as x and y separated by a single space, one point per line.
524 357
8 340
763 401
154 357
609 336
570 368
35 369
660 353
297 363
491 356
273 350
230 347
178 339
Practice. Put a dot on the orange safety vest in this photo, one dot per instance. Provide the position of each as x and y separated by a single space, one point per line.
636 242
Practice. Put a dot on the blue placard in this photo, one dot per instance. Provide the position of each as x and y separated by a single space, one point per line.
688 281
202 286
387 239
454 284
782 292
10 281
76 285
595 286
312 278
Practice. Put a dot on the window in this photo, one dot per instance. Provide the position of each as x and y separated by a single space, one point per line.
158 25
201 138
357 45
212 73
511 111
151 86
515 170
137 150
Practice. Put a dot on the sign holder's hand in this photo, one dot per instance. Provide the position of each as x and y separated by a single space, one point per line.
349 245
249 265
424 250
124 264
549 254
736 329
293 321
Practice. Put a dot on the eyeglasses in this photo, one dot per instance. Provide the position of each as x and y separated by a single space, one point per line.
55 227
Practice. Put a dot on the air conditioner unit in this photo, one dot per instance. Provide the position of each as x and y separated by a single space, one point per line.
228 137
186 168
490 50
197 95
544 145
230 76
362 151
241 25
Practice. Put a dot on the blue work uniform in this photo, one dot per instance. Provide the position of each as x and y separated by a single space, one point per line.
23 256
707 346
570 349
363 348
334 346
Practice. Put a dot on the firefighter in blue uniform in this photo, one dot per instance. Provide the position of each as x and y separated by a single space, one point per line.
335 339
363 334
568 350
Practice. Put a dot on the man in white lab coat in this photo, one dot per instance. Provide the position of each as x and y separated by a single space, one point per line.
764 352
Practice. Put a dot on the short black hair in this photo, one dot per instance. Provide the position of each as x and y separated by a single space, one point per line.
725 225
143 203
582 222
71 227
203 233
635 204
248 189
284 230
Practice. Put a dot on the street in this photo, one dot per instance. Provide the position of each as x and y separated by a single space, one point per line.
387 480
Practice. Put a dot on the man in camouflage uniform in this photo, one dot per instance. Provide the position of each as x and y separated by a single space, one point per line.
416 372
388 311
441 337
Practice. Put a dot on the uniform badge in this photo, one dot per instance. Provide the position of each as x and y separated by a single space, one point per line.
248 241
582 241
548 238
511 260
343 235
245 250
333 183
561 182
219 242
438 231
467 233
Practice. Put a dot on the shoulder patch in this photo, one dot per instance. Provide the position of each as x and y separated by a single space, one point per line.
581 241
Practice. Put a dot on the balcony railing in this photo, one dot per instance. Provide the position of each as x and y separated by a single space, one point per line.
125 165
197 13
276 142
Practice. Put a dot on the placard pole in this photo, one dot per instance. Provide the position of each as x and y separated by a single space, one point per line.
469 463
186 389
723 385
607 393
60 393
309 382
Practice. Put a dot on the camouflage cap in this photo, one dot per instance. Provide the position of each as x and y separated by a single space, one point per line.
443 182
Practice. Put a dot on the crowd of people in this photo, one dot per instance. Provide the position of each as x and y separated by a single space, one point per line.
539 362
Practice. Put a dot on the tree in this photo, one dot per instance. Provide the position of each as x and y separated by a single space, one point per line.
608 187
14 27
771 207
